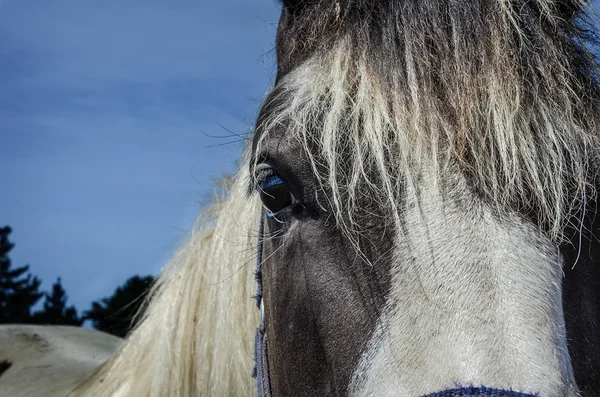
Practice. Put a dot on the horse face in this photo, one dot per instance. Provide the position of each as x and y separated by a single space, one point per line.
411 239
412 312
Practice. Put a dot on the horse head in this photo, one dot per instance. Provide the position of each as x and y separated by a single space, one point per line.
421 164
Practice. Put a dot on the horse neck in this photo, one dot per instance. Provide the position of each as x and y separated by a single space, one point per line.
475 300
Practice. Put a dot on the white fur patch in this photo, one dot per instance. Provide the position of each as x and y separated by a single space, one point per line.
475 300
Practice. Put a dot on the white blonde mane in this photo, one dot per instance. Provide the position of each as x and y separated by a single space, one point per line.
196 338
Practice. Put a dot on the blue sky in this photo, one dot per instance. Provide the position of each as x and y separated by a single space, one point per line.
104 115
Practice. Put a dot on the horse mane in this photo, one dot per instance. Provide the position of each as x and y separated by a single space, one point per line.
196 337
504 93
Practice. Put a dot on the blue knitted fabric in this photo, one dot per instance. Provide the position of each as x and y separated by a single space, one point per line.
481 391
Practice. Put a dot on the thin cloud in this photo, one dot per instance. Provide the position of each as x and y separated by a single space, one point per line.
106 117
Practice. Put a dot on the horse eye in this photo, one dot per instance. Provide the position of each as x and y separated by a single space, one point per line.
274 194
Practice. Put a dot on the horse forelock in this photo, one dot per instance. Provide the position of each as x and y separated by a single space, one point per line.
309 25
504 92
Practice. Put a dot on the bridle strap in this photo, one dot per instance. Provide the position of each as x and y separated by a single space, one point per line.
261 363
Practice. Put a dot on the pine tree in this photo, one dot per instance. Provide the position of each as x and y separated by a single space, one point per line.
116 313
18 291
55 309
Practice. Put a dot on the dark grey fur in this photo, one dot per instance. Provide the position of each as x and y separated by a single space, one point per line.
321 301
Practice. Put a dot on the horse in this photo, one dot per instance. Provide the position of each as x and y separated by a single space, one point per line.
419 197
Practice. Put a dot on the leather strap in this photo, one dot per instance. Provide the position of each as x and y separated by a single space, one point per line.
261 363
